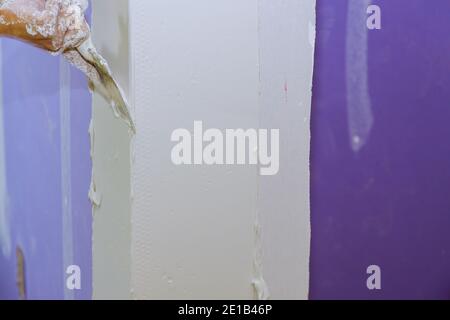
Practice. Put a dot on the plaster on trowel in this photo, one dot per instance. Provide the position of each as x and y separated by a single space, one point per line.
102 80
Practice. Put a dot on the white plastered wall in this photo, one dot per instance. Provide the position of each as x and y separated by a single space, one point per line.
163 231
110 189
286 42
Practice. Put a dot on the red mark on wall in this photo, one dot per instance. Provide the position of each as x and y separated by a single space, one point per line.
286 89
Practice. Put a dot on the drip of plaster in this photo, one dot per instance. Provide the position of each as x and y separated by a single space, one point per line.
110 139
66 169
5 236
259 284
359 106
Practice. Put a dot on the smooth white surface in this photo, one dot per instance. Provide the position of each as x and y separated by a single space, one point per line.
193 225
211 232
286 41
111 161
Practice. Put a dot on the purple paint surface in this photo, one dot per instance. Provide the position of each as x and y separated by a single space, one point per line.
31 98
387 204
33 168
33 150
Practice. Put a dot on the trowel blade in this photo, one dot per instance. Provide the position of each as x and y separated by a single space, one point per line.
106 85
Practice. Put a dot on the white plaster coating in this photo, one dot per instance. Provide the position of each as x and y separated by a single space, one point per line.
110 191
286 55
203 231
193 226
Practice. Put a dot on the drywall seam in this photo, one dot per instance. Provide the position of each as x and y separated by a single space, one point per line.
5 236
66 169
259 284
110 191
286 58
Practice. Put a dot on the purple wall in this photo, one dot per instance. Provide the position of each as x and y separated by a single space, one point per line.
381 159
81 110
32 123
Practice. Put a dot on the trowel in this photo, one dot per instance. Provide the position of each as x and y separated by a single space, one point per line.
22 20
104 83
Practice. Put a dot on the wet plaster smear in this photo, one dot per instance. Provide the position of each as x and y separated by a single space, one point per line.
166 231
